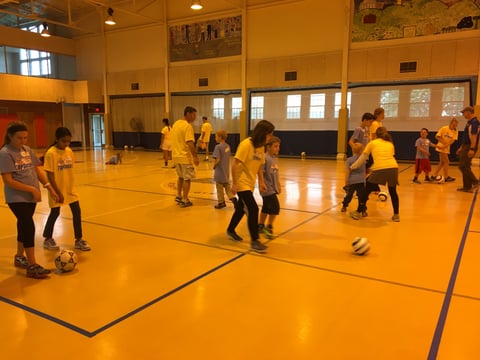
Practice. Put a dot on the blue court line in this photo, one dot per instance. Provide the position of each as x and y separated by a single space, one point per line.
91 334
437 337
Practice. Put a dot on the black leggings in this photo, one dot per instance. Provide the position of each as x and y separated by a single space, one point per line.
77 220
25 224
246 205
369 187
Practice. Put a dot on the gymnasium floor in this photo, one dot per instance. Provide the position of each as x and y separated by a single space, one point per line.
162 282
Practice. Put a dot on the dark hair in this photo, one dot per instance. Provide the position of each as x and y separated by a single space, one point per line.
260 131
13 128
368 116
204 118
382 133
165 121
424 129
189 109
62 132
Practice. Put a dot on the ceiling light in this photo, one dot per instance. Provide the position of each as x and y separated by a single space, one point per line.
109 20
45 32
196 5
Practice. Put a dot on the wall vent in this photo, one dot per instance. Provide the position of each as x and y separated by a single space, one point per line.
410 66
135 86
290 75
203 82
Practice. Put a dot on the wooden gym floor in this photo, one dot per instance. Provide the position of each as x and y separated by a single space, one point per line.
162 282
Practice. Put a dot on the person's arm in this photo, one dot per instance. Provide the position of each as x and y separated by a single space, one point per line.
9 181
236 167
193 151
46 183
53 183
360 161
261 180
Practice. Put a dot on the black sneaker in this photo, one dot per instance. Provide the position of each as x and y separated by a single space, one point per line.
258 247
185 204
37 272
465 190
234 236
220 205
178 199
449 179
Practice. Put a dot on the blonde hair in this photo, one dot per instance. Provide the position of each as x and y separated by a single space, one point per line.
357 148
378 111
222 134
273 140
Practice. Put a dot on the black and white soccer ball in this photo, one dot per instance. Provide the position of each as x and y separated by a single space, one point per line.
360 245
65 260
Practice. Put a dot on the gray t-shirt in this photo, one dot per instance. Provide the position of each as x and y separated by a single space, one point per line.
21 163
222 170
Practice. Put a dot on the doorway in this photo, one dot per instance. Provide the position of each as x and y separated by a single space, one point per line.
97 127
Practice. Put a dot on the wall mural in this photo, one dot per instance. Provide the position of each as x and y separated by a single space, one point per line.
393 19
209 39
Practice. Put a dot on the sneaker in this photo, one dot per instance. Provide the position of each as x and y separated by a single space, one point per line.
465 190
364 214
178 199
355 215
344 208
268 232
449 179
416 181
220 205
396 217
428 179
258 247
50 244
185 204
234 236
82 245
37 272
21 262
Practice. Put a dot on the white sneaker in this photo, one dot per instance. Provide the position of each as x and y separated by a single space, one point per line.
82 245
50 244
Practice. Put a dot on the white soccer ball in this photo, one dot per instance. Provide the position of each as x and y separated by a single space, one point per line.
439 179
65 260
360 245
125 147
383 196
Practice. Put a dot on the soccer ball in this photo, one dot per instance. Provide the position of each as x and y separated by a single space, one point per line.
439 179
65 260
125 147
360 245
382 196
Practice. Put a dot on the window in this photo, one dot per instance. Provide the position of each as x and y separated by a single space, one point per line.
257 107
389 102
419 103
317 106
33 62
452 100
294 105
338 102
219 108
236 107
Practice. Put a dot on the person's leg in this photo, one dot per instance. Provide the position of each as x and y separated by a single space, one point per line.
220 192
179 188
362 198
77 219
186 189
235 220
348 197
165 157
395 200
206 150
50 224
444 163
464 164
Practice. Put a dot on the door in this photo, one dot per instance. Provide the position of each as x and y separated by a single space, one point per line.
98 129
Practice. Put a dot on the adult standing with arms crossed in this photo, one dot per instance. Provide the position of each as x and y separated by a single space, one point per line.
21 172
468 149
247 166
184 154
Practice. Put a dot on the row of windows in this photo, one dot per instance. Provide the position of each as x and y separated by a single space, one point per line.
453 99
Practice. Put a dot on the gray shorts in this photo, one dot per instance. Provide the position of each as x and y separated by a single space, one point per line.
185 171
384 176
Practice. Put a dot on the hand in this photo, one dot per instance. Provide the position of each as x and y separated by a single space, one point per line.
196 161
60 198
234 189
262 187
471 153
37 195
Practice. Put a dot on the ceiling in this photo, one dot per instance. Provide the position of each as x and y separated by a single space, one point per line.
76 18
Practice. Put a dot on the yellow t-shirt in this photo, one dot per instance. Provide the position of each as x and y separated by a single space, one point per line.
448 136
207 129
373 128
251 159
60 163
383 153
182 132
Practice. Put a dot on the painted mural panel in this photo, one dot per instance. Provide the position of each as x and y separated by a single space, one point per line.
208 39
393 19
